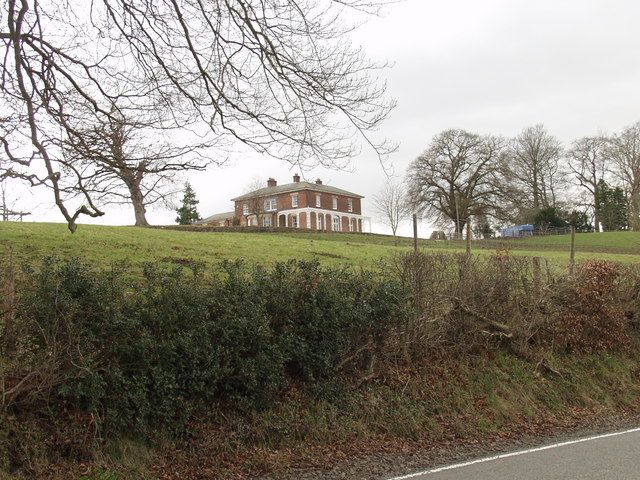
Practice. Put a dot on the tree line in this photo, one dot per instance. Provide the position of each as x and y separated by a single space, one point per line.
487 180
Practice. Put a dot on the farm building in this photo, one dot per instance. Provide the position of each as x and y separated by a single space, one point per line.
218 220
517 231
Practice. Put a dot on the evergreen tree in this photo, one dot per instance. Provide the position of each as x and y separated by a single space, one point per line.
612 206
188 212
549 217
580 220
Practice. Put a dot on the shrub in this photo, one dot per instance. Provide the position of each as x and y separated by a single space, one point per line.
88 355
143 357
593 318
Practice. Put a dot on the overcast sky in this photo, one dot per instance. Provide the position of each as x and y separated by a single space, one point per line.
485 66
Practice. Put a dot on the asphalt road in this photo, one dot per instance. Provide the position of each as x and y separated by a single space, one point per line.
614 456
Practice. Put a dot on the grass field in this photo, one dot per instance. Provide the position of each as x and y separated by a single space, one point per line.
105 245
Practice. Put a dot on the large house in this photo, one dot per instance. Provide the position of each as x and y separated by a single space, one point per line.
312 206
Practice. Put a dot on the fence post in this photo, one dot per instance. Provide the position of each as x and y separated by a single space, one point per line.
572 255
415 232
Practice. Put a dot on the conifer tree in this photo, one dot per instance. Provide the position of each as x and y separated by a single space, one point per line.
613 207
188 212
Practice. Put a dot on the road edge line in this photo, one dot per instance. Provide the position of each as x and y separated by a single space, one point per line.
515 454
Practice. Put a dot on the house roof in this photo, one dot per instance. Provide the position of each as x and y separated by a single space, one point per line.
217 216
295 187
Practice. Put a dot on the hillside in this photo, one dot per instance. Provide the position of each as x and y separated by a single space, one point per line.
267 373
135 246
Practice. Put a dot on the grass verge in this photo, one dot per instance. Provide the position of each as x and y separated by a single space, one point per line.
441 402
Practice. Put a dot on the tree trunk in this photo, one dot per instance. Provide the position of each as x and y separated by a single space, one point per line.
536 190
459 228
596 215
137 199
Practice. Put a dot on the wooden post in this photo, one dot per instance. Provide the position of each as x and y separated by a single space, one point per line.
415 232
572 255
468 237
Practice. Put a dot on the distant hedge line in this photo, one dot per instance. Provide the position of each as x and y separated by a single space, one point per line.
112 355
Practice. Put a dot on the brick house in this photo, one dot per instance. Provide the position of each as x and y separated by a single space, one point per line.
312 206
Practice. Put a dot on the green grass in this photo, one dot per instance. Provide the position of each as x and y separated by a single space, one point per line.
106 245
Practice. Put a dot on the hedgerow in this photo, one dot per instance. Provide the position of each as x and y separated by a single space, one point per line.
93 354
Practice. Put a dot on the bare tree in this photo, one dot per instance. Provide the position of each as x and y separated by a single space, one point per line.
279 77
588 162
532 170
256 206
624 152
457 177
126 160
391 206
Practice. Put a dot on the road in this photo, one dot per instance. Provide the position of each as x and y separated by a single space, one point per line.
614 456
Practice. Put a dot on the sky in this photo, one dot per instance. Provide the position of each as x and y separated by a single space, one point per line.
489 66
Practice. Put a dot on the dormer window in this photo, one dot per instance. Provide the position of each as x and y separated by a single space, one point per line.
294 200
349 205
334 201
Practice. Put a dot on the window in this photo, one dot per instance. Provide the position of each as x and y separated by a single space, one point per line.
336 223
270 205
319 220
294 200
349 205
294 221
318 200
266 221
352 225
245 209
335 203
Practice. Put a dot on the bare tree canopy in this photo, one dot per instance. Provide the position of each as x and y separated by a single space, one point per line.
588 162
391 205
533 168
279 76
127 161
457 177
624 153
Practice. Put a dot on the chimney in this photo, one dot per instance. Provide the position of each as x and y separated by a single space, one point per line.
296 178
318 181
271 182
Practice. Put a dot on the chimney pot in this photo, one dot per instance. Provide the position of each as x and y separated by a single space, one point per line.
318 181
296 178
271 182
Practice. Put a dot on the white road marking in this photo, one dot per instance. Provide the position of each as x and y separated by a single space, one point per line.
515 454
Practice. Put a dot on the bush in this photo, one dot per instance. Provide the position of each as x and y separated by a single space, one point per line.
89 355
593 318
144 357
